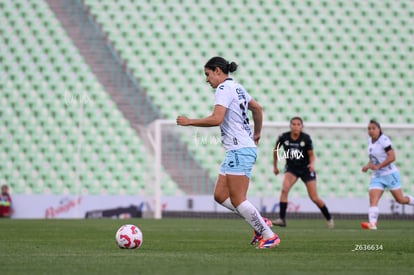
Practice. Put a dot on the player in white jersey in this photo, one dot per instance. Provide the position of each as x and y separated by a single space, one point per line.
230 112
385 174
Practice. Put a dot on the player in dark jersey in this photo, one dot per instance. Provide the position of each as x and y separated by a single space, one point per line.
298 153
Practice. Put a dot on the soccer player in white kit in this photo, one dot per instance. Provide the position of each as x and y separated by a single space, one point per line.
230 112
385 174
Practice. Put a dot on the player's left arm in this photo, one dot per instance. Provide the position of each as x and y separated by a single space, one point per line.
214 119
257 114
388 160
311 164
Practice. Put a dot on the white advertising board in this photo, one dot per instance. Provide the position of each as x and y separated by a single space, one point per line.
69 206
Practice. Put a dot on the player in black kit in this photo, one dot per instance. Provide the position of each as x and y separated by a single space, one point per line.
298 153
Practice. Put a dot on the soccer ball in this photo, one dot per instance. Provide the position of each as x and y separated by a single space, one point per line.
129 236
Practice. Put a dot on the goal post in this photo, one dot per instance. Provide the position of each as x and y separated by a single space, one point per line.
191 156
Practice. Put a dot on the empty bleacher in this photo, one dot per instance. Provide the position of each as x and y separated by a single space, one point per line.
61 133
343 61
328 61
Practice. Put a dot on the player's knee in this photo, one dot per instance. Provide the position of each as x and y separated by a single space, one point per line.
402 200
285 190
219 198
315 199
237 200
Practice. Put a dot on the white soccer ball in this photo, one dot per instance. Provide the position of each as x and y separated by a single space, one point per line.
129 236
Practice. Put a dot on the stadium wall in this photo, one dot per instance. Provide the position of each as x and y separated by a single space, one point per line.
121 207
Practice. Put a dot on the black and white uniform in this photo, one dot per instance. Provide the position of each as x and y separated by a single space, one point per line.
295 152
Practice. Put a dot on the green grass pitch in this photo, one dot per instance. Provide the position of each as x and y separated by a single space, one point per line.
203 246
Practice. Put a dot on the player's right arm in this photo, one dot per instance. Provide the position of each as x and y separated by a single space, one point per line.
276 156
365 167
214 119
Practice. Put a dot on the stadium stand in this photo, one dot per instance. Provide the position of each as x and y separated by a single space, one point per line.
61 133
342 61
328 61
324 50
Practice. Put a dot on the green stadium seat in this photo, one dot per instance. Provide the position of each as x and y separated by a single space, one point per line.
42 59
321 61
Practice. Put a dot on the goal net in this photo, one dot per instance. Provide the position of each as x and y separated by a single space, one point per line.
191 157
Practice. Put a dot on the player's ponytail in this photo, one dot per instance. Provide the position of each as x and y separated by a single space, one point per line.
232 67
222 63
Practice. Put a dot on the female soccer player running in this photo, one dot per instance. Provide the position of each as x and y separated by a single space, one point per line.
230 112
385 174
298 152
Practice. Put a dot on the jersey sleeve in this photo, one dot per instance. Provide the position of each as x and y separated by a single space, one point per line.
222 96
248 97
386 142
309 143
279 141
